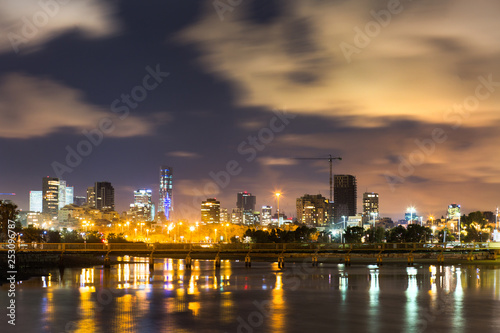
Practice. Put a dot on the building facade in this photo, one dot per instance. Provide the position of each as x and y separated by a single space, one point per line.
210 211
165 202
313 210
50 196
370 204
36 201
345 196
104 196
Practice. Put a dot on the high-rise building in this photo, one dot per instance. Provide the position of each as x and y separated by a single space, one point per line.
62 193
245 201
36 201
313 210
266 215
70 195
143 203
50 196
165 203
370 204
345 196
91 196
104 196
210 211
245 204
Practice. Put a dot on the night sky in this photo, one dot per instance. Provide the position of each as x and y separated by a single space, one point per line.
410 103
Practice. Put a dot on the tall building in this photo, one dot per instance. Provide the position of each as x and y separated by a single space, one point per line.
165 203
91 196
345 196
210 211
246 201
370 204
245 204
313 210
70 195
104 196
266 215
62 193
50 196
36 201
143 204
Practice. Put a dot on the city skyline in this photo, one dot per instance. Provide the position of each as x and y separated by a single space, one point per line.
410 106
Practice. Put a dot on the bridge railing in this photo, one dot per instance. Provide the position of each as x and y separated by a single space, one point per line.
307 247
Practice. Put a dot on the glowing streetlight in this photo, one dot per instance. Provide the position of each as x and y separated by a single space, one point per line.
191 228
278 194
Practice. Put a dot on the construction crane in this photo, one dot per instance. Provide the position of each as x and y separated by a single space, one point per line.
329 159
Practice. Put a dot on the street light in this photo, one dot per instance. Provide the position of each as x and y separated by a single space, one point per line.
278 211
191 228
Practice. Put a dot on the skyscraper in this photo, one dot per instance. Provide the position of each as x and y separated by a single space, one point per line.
143 203
165 203
36 201
70 195
62 193
104 196
210 211
50 195
245 201
91 196
345 196
370 204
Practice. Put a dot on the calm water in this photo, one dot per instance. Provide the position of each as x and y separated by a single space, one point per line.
331 298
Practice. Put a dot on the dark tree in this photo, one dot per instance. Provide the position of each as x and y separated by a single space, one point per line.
8 211
353 234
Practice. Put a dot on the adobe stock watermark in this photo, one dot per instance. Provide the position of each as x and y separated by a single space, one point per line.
30 26
363 37
11 271
121 107
249 150
223 6
456 115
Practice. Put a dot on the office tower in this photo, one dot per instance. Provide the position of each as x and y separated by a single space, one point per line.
210 211
70 195
266 215
245 204
165 203
345 196
91 196
62 193
104 196
370 204
36 201
143 203
237 216
50 196
80 201
245 201
313 210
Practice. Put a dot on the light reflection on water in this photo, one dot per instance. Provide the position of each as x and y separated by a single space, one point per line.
390 298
